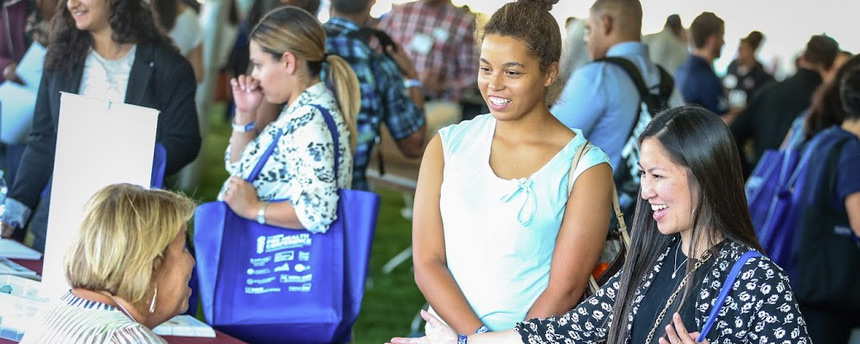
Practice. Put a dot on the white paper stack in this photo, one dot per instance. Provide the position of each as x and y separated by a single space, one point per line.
184 326
14 250
17 102
8 267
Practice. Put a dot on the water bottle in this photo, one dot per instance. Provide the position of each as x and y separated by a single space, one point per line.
3 191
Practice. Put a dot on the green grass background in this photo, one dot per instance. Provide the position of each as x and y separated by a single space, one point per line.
391 301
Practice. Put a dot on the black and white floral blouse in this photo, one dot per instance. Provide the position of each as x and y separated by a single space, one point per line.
761 307
301 168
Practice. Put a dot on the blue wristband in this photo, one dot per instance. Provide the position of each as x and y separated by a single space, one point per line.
482 329
243 128
410 83
461 338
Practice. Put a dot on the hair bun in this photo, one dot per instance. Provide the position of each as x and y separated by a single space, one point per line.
545 5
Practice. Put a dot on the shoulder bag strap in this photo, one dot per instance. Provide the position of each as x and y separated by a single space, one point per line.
616 207
724 292
265 157
332 128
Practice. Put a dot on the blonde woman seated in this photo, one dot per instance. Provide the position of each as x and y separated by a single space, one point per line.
128 269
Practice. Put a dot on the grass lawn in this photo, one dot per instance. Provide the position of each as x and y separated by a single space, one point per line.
390 301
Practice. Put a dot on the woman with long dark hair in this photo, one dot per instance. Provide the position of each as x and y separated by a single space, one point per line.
110 50
828 256
690 227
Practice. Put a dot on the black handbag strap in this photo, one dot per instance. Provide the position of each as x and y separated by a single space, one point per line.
830 170
655 102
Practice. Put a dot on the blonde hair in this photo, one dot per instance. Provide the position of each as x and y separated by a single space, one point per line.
295 30
125 231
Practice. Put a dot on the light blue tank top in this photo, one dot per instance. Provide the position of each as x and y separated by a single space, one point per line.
500 234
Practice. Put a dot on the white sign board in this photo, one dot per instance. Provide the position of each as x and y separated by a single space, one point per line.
98 143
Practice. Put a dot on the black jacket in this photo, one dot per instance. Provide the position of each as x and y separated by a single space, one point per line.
769 115
160 78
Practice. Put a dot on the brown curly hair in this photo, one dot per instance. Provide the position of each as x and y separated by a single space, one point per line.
130 20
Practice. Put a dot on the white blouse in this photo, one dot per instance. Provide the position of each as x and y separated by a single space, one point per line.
187 33
301 168
106 79
76 320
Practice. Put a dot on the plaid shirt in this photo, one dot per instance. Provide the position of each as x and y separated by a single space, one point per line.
383 96
453 56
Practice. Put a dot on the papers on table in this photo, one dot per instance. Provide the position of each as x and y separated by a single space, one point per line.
14 250
17 102
8 267
30 68
184 326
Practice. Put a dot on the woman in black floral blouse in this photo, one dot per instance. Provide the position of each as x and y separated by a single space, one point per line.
690 228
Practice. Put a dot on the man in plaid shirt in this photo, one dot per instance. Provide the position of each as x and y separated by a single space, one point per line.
440 39
390 91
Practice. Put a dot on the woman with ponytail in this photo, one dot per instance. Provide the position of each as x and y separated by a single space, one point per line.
297 186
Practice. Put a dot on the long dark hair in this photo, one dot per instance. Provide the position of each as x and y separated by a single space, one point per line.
826 109
165 12
699 141
130 20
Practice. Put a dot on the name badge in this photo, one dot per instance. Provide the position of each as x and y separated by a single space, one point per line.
440 34
421 44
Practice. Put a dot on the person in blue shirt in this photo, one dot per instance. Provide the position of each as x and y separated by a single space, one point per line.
600 98
696 79
831 227
390 92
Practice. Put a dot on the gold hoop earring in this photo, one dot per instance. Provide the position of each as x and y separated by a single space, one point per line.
152 302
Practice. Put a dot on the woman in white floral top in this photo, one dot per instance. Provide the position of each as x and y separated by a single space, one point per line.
297 187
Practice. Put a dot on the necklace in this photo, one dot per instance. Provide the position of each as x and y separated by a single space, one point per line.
673 296
675 264
122 308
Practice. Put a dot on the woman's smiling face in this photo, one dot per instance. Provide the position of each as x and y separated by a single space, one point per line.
509 78
90 15
665 185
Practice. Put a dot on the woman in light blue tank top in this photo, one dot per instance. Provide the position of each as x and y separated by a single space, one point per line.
498 236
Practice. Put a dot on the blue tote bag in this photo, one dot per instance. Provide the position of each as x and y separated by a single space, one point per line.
266 284
782 207
772 171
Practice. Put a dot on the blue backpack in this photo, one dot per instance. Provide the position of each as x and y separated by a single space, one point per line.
775 196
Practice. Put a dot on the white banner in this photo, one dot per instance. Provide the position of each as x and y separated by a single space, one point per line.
98 143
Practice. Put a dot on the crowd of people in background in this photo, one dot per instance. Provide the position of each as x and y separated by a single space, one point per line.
501 197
